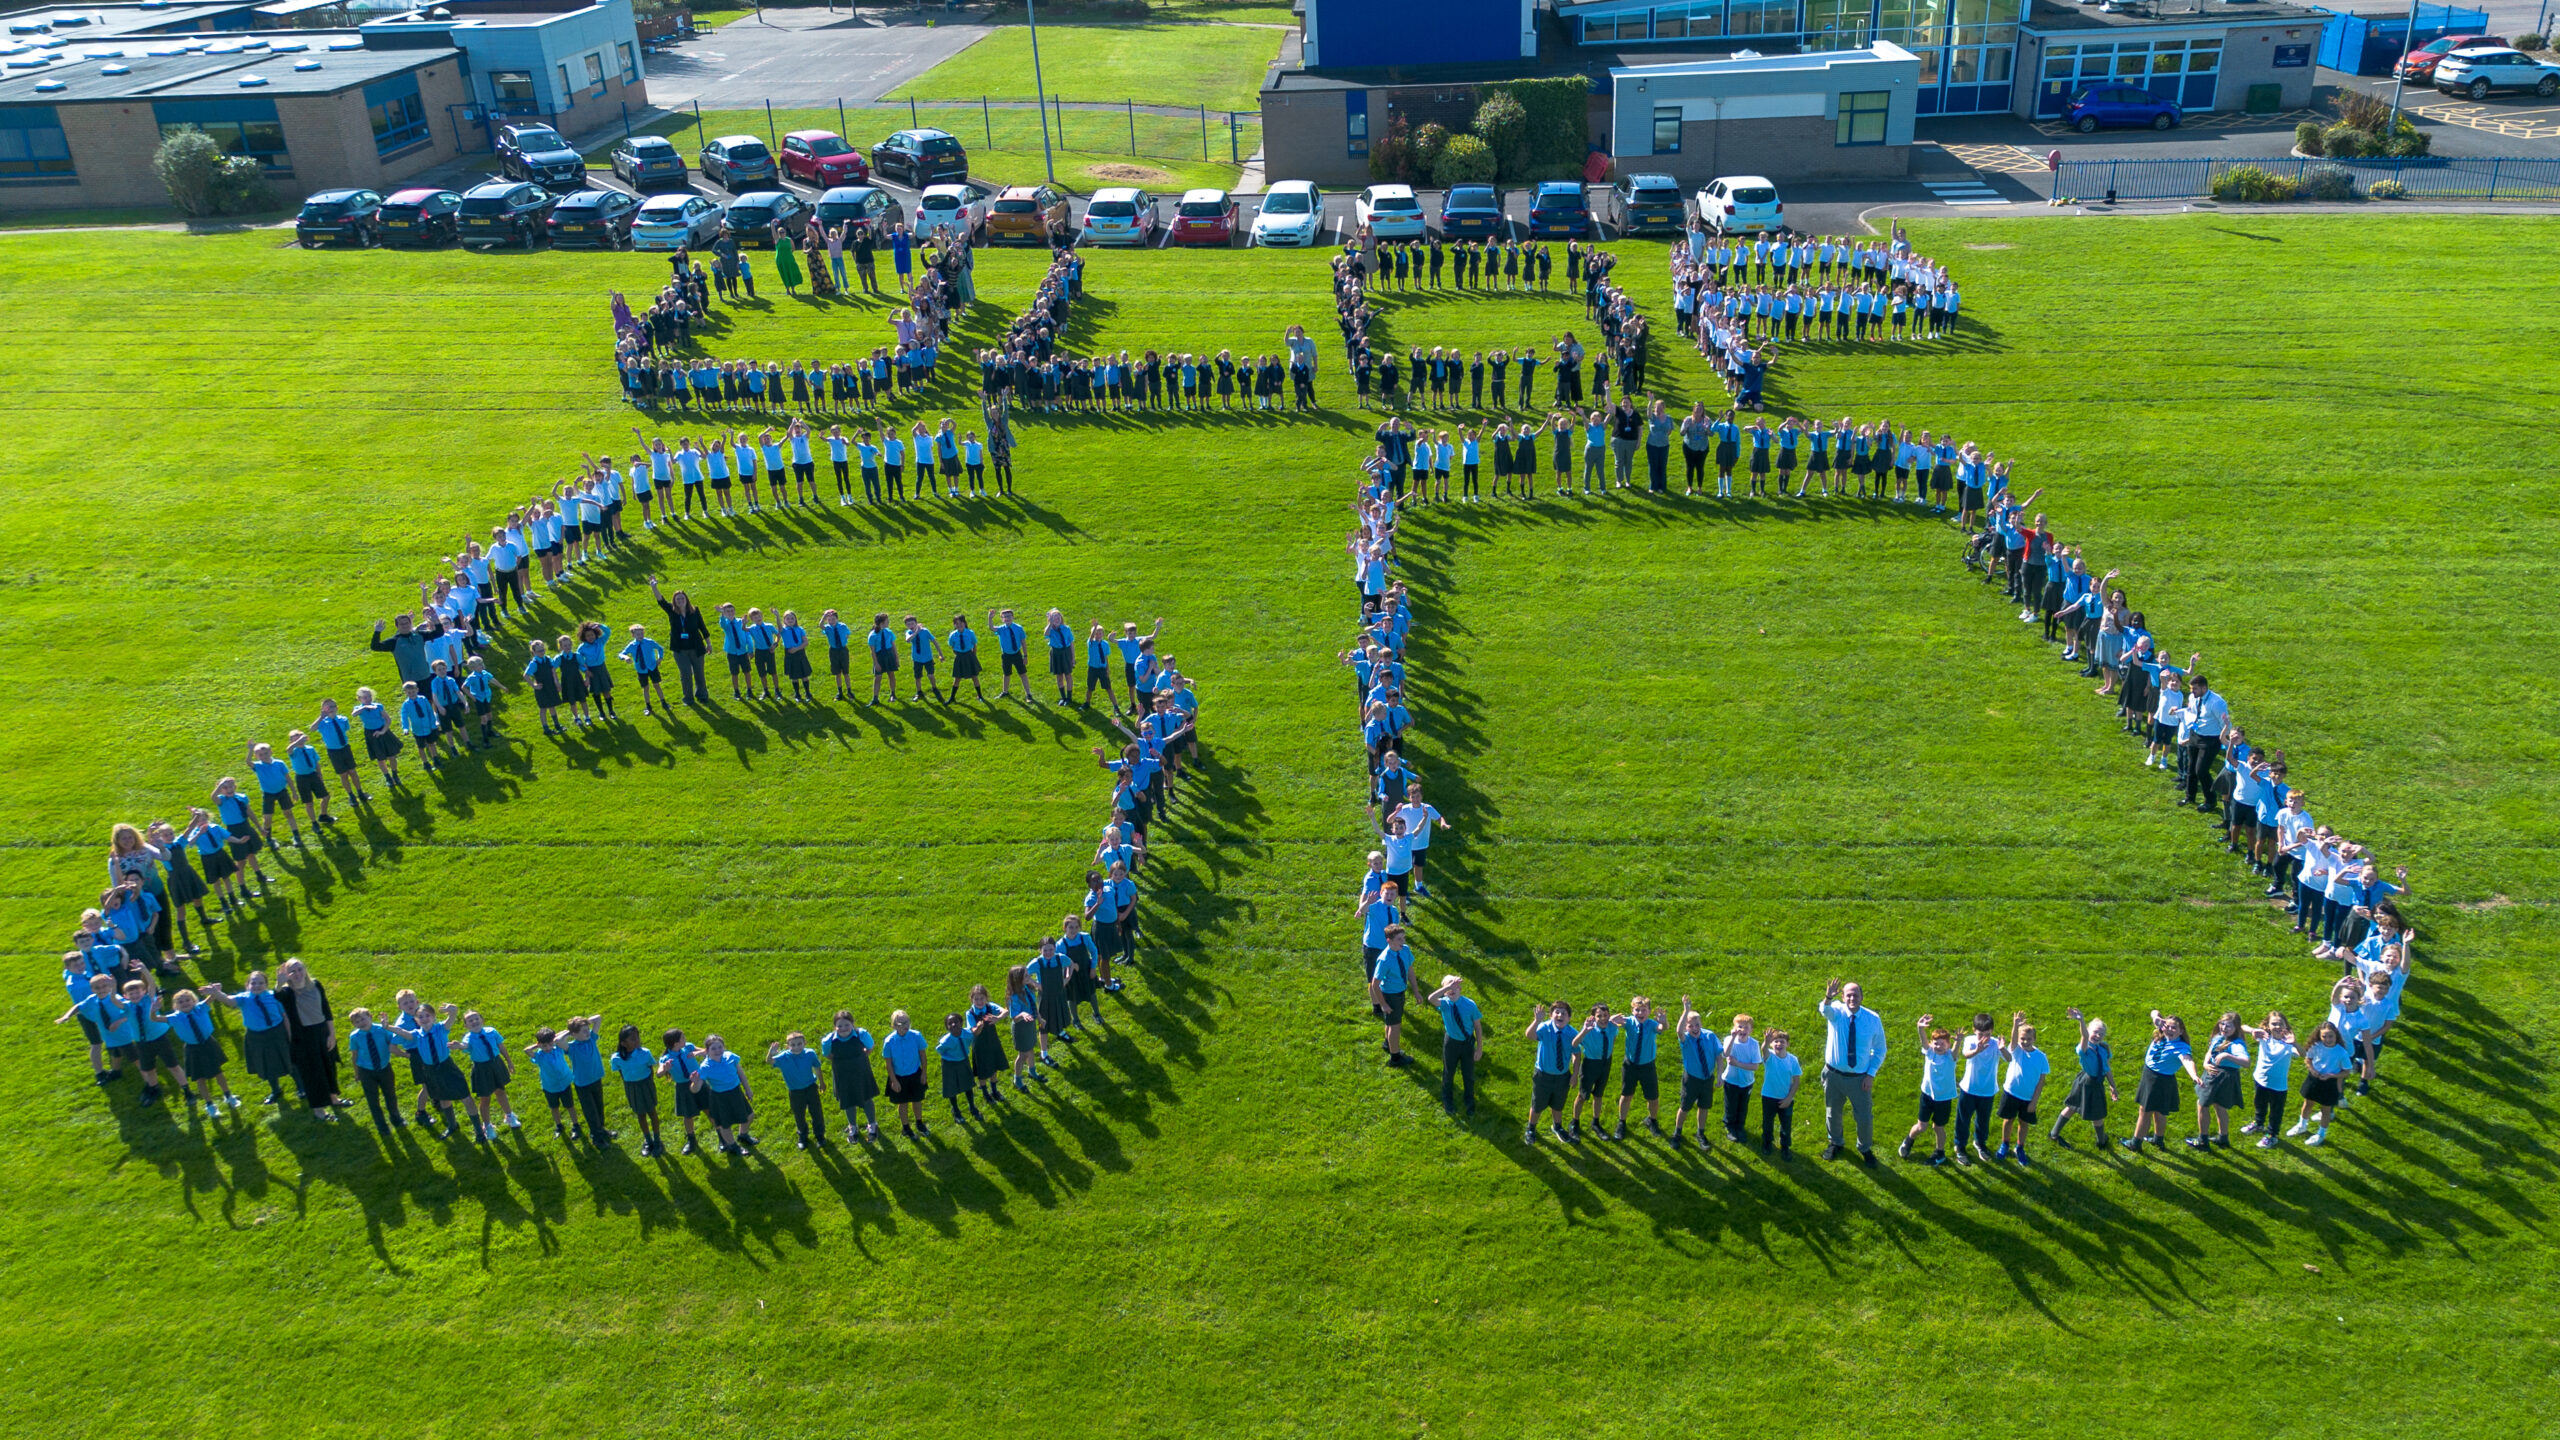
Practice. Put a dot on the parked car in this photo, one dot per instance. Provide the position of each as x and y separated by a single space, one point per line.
759 215
864 204
1741 204
537 153
1203 217
352 217
1033 214
1559 209
2119 105
2478 73
736 162
920 157
424 216
599 217
646 160
1469 211
1642 204
1290 213
950 207
1120 216
1391 212
823 158
675 222
505 212
2420 64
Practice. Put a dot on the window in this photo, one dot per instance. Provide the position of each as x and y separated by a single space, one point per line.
241 127
629 59
595 74
511 92
2204 56
399 116
2057 63
32 149
1666 129
1615 27
1355 123
1672 22
1862 114
1843 23
1997 63
1761 17
568 87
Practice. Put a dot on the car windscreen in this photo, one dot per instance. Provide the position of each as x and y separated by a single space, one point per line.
484 204
653 145
829 145
1649 196
589 200
942 146
1753 195
539 140
1015 207
1395 205
666 210
749 153
938 202
1471 197
326 209
1569 200
1287 202
750 215
1201 209
1112 209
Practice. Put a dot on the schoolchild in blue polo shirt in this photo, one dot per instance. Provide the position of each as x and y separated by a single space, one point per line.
638 1070
884 657
480 689
963 643
275 789
373 1045
487 1051
922 650
579 1042
1012 644
552 1068
1639 1032
1551 1036
232 809
793 638
646 657
720 1080
677 1061
952 1049
1594 1045
799 1066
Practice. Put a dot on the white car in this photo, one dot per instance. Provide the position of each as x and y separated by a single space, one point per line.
949 207
675 221
1392 212
1120 216
2479 72
1290 213
1741 204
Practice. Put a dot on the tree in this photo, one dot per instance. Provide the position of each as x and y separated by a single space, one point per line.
1391 154
1501 123
1464 160
190 167
1427 143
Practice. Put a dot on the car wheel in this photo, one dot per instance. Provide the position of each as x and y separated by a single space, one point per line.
2163 122
2479 90
524 236
2549 87
2086 125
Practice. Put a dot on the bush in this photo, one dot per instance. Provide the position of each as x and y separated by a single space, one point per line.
2306 138
241 188
2387 190
2410 143
2327 182
1464 160
2252 182
1558 134
1502 123
1391 155
2531 41
189 165
1427 143
2362 109
2345 141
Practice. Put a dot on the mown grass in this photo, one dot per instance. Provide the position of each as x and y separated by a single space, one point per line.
1728 752
1219 66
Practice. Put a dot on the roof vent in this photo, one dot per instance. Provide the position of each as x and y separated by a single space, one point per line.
306 65
115 69
48 86
346 44
252 82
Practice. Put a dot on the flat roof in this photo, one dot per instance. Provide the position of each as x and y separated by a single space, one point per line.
193 73
2046 17
1812 60
81 22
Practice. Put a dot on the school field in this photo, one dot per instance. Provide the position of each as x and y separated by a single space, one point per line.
1728 751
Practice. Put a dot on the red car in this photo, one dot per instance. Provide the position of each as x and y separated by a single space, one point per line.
2420 64
822 158
1204 217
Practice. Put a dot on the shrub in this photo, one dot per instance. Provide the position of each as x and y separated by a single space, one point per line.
189 165
2387 190
2327 182
1502 123
1427 142
2409 143
1464 160
2345 141
1391 154
2252 182
1558 134
2531 41
241 188
2306 138
2362 109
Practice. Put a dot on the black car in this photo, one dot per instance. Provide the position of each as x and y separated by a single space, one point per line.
506 212
422 217
921 158
537 153
601 218
352 217
758 215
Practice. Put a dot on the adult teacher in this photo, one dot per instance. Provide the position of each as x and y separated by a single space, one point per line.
688 636
1852 1052
312 1039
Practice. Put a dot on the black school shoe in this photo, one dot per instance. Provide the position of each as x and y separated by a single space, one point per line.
1830 1152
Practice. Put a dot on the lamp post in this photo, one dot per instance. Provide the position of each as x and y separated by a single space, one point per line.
2400 73
1040 91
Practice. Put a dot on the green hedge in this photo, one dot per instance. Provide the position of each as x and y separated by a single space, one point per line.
1558 134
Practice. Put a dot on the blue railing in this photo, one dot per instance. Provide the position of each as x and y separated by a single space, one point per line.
2427 177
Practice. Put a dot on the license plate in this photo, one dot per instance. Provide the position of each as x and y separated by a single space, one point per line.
397 224
573 229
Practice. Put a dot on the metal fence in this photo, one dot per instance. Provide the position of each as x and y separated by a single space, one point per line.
2428 177
1083 129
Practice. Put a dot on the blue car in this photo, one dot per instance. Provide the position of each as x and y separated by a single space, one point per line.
2119 105
1469 210
1559 210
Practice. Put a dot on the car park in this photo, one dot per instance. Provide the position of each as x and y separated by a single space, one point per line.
1648 204
1472 212
920 157
537 153
862 204
1741 204
2478 74
1391 212
1120 215
2420 64
759 215
642 161
736 162
1032 214
675 222
955 208
1559 209
1290 213
346 217
601 218
422 217
1203 217
506 212
2119 105
823 158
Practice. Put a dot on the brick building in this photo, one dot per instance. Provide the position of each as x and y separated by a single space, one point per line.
1821 114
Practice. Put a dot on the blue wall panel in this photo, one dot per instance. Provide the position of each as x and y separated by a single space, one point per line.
1415 32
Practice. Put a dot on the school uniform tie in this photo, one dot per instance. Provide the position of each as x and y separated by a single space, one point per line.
1853 1042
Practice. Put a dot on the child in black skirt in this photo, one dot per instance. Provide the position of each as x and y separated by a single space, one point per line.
794 639
200 1053
639 1071
2093 1089
1022 1008
986 1043
572 678
957 1083
487 1050
185 888
839 638
676 1061
543 673
963 643
848 1052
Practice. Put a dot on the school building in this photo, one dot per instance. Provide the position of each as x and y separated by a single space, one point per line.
87 93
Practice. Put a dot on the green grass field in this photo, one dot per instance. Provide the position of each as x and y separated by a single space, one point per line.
1090 149
1726 751
1219 66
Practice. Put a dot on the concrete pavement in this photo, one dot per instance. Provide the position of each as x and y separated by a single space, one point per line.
803 57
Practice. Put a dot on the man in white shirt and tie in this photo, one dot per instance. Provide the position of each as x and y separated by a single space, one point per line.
1852 1052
